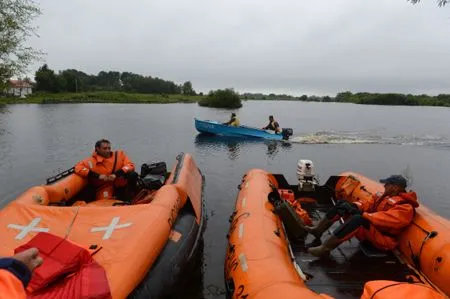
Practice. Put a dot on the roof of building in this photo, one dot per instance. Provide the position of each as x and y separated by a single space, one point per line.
20 84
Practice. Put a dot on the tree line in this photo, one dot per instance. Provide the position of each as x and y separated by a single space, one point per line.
72 80
361 98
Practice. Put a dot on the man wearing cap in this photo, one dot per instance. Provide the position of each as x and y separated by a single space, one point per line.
234 121
379 221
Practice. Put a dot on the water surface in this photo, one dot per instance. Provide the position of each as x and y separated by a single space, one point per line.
38 141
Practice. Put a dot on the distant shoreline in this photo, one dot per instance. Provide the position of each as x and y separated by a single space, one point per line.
101 97
112 97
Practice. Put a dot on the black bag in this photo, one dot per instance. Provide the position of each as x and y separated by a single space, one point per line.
153 168
293 224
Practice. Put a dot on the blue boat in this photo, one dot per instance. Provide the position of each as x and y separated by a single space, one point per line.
217 128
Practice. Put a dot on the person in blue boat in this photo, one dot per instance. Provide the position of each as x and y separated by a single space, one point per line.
273 125
234 121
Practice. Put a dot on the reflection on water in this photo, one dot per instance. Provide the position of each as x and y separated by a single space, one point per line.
38 140
235 145
3 110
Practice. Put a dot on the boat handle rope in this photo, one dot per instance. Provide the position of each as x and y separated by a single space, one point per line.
396 284
416 257
67 232
71 223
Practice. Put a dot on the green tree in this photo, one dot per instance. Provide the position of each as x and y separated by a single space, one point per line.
16 17
47 80
303 98
226 98
187 89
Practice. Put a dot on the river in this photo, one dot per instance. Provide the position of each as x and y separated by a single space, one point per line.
38 141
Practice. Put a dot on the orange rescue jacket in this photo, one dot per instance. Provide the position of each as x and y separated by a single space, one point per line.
391 214
11 286
97 164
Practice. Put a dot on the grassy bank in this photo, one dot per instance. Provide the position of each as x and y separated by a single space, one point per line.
100 97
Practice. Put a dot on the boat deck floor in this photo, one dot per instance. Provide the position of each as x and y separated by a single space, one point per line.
344 273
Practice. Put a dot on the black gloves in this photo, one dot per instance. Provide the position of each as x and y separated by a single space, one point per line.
93 174
120 173
346 208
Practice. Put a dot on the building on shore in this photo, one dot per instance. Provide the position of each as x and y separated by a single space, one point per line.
19 88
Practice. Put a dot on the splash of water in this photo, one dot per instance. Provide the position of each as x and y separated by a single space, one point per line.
332 137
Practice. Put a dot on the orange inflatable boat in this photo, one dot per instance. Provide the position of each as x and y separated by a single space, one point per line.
108 248
262 262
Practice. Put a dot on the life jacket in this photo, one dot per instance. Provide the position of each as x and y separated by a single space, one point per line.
106 166
11 286
391 214
68 270
234 122
274 126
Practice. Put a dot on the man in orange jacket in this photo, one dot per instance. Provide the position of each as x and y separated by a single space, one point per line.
378 221
15 273
110 173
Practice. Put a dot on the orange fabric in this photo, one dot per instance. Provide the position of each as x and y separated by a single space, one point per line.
392 214
288 195
103 165
124 256
385 289
258 259
344 187
117 231
436 251
10 286
374 236
435 256
189 182
388 216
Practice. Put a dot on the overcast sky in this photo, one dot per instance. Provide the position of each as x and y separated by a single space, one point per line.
281 46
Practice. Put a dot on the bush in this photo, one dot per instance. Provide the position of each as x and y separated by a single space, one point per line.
226 98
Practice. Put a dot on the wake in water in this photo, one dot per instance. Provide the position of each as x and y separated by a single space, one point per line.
330 137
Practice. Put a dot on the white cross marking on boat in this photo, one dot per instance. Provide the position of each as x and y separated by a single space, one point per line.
110 228
241 230
25 229
244 202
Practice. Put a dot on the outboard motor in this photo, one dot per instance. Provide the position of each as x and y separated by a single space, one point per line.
286 132
306 176
153 175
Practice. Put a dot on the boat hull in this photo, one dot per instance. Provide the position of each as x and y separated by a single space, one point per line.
213 127
139 246
260 262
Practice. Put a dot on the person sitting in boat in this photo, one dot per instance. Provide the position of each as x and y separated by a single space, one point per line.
16 271
110 173
273 125
378 221
234 121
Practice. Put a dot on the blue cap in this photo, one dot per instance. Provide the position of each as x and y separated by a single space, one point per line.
395 179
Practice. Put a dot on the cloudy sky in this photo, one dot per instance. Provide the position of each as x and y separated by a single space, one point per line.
281 46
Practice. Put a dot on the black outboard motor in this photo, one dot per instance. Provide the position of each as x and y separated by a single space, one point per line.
153 175
286 132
